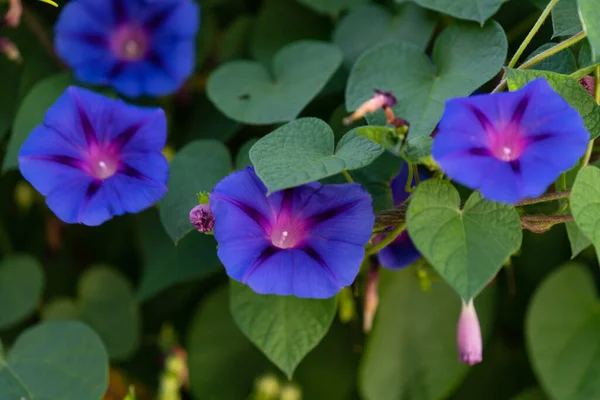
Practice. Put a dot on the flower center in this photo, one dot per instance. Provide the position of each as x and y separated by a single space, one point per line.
286 236
130 43
508 144
103 164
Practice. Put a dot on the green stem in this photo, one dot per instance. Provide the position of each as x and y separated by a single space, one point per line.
545 198
532 32
580 73
387 240
417 178
409 179
563 181
542 56
347 176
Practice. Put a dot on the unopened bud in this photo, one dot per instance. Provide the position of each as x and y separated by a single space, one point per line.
202 218
378 101
8 48
267 387
589 83
13 16
169 153
371 298
24 195
346 305
468 335
290 392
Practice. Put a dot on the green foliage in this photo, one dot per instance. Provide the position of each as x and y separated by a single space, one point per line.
422 87
55 360
31 113
332 6
570 89
247 92
474 10
302 151
198 167
107 303
565 19
365 27
467 247
562 62
284 328
590 16
21 287
563 330
577 239
411 352
585 204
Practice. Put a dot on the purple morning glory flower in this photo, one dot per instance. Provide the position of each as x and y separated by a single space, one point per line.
307 241
136 46
510 146
94 157
401 252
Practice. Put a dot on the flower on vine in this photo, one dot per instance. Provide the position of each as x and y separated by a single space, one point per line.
468 335
307 241
401 252
94 157
379 100
510 146
137 47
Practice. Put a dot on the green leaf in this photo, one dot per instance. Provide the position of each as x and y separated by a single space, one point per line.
474 10
21 288
565 18
31 113
281 22
422 87
531 394
411 352
467 247
166 264
562 62
247 92
577 239
413 150
197 167
302 151
207 122
376 178
585 58
107 303
219 353
570 89
585 204
333 7
9 82
372 24
590 17
284 328
55 360
417 149
242 159
563 334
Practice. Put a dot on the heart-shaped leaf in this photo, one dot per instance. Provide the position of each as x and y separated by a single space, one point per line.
55 360
302 151
333 7
467 247
565 18
422 87
562 62
21 286
577 239
373 24
107 303
197 167
31 113
570 89
590 17
563 334
284 328
247 92
474 10
411 352
167 264
585 204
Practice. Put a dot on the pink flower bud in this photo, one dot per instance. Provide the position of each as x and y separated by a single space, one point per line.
371 298
9 49
589 83
378 101
468 335
13 16
202 218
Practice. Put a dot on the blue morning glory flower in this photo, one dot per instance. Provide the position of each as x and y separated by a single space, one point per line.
510 146
94 157
307 241
401 252
136 46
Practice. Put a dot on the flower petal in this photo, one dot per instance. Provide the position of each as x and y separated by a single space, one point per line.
400 253
341 260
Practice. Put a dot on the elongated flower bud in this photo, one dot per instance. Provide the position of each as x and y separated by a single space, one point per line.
371 298
468 335
378 101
